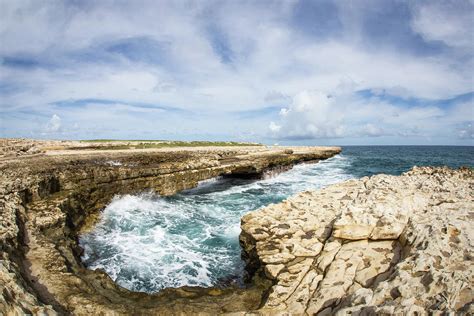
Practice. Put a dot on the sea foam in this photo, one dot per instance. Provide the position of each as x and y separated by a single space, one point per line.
146 242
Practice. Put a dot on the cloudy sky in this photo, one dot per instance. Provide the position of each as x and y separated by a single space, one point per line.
288 72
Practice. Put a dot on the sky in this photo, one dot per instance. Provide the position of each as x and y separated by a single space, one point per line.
279 72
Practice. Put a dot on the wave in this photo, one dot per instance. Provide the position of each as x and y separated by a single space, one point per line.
146 242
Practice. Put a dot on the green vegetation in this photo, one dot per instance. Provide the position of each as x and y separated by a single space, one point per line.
112 144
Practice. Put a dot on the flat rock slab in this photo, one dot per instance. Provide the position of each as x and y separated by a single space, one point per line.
384 244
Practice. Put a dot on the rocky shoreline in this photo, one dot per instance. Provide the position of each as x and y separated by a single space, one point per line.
48 195
378 245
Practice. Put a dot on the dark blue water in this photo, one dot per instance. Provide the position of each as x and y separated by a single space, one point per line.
146 242
370 160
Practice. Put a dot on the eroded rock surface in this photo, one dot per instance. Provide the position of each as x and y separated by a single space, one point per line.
47 197
385 244
379 245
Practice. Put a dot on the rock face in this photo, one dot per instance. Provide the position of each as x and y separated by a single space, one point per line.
380 245
47 198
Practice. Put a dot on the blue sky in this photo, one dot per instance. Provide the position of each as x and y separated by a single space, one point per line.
288 72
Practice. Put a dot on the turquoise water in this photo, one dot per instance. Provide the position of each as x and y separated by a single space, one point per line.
146 242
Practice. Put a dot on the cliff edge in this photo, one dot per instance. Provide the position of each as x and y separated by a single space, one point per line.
50 191
381 245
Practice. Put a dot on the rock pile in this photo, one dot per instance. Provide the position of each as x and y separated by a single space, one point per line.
18 147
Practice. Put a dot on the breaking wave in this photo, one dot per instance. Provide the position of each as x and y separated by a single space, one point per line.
146 242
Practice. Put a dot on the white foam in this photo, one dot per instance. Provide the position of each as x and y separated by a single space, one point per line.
208 181
113 163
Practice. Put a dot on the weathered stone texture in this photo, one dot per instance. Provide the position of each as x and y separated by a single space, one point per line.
380 245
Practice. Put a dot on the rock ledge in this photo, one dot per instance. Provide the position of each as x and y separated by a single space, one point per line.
381 245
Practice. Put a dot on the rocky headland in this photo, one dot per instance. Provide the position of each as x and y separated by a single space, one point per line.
379 245
50 191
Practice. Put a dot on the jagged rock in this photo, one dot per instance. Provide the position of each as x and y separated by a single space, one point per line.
47 198
379 245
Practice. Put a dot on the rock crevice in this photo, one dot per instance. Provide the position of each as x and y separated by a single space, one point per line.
381 245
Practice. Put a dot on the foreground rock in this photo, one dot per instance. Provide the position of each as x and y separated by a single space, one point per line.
47 195
379 245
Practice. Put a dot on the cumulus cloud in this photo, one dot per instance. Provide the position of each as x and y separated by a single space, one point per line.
53 125
316 115
311 114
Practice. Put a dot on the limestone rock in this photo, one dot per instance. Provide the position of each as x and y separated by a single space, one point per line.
383 245
51 190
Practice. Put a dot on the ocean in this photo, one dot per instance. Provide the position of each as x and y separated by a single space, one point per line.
147 243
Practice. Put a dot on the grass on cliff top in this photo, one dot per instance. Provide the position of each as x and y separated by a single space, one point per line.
142 144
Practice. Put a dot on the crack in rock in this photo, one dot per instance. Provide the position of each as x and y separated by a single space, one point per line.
384 244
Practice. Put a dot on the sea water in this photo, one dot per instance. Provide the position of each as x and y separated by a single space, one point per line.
146 242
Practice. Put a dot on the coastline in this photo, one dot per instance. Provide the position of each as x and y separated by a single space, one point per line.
384 244
48 198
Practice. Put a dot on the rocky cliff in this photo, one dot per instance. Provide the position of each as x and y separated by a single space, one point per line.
381 245
47 197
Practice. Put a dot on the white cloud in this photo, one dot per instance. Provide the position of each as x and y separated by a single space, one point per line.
284 112
467 131
315 115
312 114
371 130
54 124
269 55
274 127
447 21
